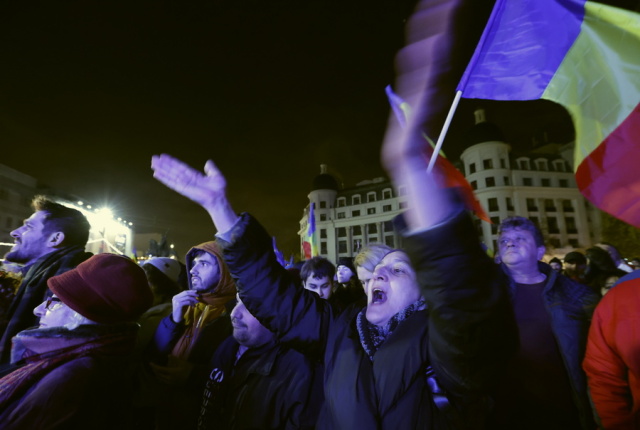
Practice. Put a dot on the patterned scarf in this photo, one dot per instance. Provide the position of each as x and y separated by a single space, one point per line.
46 349
373 336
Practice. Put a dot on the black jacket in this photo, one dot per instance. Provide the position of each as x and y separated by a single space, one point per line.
270 387
466 335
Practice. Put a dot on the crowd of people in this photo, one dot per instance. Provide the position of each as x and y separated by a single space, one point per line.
436 335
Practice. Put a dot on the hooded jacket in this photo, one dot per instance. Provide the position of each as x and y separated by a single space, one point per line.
196 338
194 341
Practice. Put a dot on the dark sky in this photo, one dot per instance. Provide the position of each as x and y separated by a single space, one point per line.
269 90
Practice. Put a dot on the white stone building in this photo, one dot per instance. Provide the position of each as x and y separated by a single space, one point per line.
537 184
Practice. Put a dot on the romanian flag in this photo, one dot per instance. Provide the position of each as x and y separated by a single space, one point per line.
453 177
586 57
310 245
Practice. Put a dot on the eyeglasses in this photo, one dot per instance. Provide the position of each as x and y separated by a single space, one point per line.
51 303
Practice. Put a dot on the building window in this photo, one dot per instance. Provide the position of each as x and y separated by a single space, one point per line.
323 217
523 164
509 204
356 230
387 194
546 182
487 164
474 185
323 233
355 213
531 205
570 222
390 241
355 200
341 232
490 182
372 228
342 247
323 204
386 208
341 215
342 202
371 211
552 224
503 163
564 183
323 248
402 190
549 205
506 181
554 242
472 168
558 165
574 243
495 222
493 204
402 205
541 165
371 197
535 221
567 206
527 182
387 226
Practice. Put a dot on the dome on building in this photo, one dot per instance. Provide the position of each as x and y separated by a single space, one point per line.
483 131
325 181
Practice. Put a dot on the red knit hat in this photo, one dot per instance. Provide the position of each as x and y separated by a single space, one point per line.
106 288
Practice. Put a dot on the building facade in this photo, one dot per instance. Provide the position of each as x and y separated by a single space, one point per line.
537 184
349 218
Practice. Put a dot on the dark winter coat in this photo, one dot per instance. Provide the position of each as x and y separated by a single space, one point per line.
33 291
90 389
270 387
466 335
570 306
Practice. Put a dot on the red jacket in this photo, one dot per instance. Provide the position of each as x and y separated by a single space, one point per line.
612 361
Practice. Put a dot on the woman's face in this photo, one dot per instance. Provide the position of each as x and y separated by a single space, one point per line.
392 288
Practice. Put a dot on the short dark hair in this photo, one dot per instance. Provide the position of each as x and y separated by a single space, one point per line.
521 223
58 217
555 260
318 267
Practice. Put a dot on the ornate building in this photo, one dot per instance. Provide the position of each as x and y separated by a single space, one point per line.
537 184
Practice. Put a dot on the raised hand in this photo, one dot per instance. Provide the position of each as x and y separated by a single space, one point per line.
203 189
208 189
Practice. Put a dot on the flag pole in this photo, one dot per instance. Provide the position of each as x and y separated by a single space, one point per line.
443 133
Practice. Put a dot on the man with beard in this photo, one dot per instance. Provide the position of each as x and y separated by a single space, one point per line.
50 242
256 382
185 340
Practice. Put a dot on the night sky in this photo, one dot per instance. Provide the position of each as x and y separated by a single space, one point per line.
269 90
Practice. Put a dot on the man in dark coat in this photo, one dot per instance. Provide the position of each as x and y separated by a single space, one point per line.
545 385
50 242
184 341
256 382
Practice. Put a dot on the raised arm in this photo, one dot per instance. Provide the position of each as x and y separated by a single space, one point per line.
208 189
298 316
